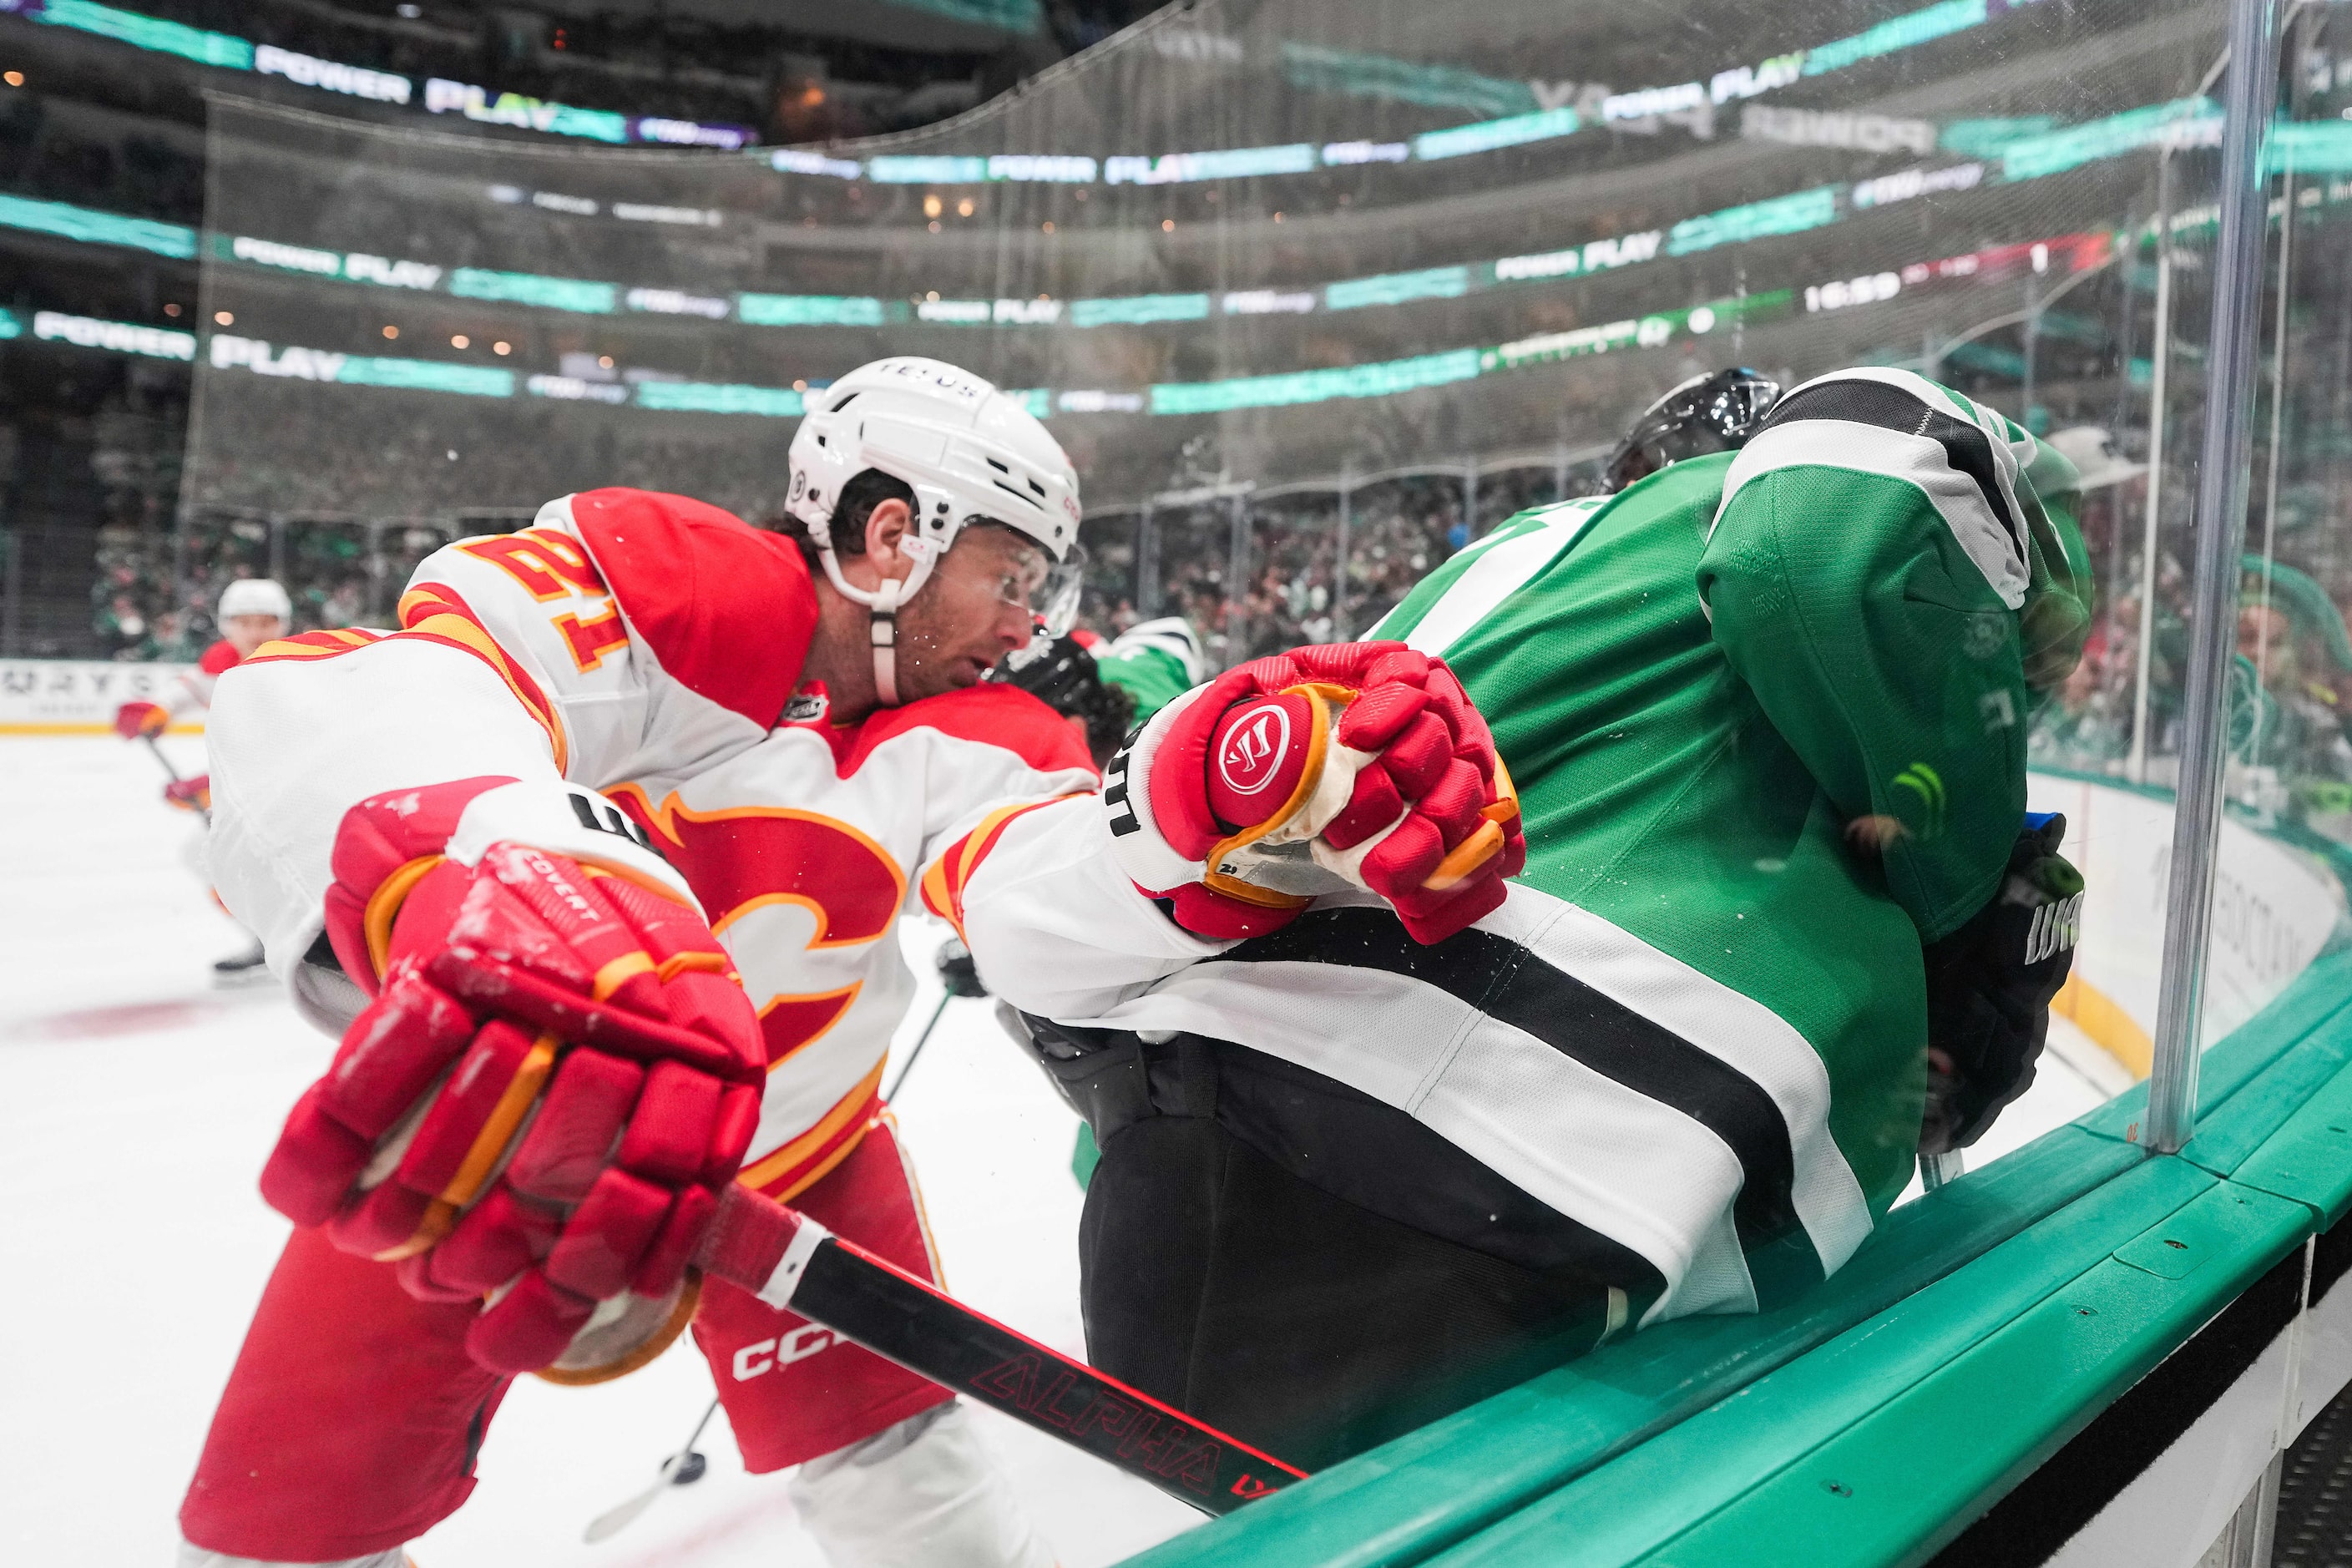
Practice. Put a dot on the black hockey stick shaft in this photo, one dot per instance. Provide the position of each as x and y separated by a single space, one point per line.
921 1041
161 760
174 774
911 1321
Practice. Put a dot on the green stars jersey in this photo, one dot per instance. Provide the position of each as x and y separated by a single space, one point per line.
1155 662
1765 711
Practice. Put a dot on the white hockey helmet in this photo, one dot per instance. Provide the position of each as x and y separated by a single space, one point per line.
970 452
254 597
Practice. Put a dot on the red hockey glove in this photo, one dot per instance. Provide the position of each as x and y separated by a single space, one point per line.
557 1076
134 720
1344 766
190 794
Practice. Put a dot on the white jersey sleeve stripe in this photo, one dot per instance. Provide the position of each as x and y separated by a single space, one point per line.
1898 426
1916 460
1632 1168
1736 1030
1495 576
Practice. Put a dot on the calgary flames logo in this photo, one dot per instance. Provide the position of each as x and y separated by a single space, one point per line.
740 860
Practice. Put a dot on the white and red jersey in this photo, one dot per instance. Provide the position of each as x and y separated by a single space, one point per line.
192 688
648 648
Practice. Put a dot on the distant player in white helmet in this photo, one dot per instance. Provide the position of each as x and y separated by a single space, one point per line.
252 611
614 773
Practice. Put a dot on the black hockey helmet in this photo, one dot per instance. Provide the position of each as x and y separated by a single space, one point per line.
1062 674
1705 414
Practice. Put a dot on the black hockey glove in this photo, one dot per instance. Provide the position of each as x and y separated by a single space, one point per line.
958 970
1062 675
1989 985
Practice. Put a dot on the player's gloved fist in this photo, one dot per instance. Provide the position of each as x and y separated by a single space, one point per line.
958 971
1989 985
557 1076
190 794
1343 765
134 720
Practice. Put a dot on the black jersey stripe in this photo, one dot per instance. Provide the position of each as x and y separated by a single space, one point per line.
1859 401
1508 982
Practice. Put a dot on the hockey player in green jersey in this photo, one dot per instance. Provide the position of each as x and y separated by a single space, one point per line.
1154 661
1106 687
1765 708
1889 617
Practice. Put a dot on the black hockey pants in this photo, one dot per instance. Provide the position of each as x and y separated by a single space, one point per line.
1216 1279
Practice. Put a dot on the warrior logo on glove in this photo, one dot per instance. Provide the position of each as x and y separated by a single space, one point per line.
557 1077
1256 743
1345 766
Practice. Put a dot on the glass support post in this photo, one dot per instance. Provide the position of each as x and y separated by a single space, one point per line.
2252 90
1147 567
178 607
1237 569
12 591
2295 36
1342 630
376 568
2160 362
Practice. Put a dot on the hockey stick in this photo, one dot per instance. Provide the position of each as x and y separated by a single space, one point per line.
921 1041
612 1520
789 1260
174 774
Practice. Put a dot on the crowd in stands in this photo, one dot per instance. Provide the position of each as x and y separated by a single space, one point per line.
157 591
513 455
2289 690
2291 704
63 157
2290 737
1294 585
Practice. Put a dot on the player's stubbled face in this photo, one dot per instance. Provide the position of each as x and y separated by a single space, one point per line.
975 610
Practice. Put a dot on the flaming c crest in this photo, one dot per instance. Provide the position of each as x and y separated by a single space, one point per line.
739 858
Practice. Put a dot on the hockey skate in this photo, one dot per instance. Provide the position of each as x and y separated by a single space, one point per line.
248 968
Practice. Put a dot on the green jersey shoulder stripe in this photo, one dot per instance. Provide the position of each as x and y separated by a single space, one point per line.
1466 589
1901 426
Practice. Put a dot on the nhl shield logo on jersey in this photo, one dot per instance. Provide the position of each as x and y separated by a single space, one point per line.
1255 746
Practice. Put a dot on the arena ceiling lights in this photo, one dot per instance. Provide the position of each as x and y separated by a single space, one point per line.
1372 76
2029 150
225 51
1318 69
1387 378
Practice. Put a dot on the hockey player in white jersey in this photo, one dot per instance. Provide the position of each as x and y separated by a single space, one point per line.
596 865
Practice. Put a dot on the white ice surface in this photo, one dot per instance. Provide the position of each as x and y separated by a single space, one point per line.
136 1104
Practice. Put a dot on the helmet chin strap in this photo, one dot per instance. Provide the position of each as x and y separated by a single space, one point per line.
882 624
882 607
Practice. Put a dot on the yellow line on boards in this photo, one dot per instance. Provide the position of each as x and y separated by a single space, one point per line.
2109 1026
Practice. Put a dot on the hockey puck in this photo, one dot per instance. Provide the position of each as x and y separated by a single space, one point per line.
690 1468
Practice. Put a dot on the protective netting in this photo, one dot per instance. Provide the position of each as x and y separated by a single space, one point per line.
1312 293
